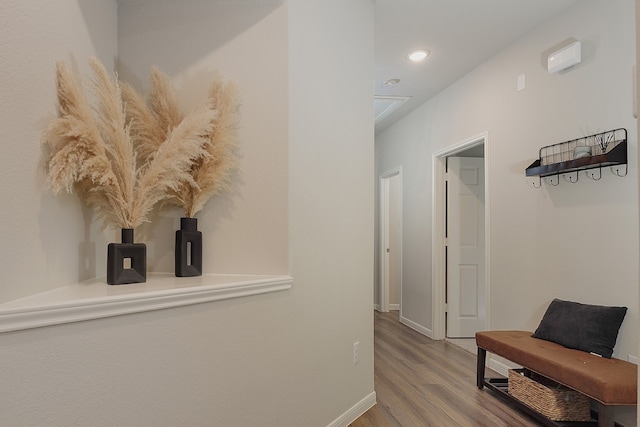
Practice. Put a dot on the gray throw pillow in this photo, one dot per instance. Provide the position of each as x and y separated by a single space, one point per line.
591 328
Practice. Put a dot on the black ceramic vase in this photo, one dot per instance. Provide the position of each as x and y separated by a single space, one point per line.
126 261
188 249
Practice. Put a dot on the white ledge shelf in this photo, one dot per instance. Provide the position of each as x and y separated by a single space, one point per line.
94 299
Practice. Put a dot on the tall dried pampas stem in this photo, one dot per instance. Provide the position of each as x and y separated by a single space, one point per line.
163 101
110 117
152 123
212 173
96 156
144 129
77 152
171 165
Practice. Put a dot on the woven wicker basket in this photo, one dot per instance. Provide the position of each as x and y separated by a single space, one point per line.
553 400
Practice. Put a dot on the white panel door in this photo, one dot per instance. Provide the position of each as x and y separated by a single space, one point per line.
391 241
466 311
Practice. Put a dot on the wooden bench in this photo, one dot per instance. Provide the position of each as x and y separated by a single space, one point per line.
609 382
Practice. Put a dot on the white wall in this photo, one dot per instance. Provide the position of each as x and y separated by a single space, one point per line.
574 241
331 157
279 359
47 241
403 145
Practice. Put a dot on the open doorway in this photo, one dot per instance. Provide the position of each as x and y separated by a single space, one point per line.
460 241
391 240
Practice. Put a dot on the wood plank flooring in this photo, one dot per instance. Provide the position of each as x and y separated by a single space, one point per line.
420 382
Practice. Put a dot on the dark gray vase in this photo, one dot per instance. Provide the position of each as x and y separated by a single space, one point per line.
126 261
188 251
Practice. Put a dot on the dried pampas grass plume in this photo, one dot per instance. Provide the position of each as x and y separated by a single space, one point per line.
210 173
92 150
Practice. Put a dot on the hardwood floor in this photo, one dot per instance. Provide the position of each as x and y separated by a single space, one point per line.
420 382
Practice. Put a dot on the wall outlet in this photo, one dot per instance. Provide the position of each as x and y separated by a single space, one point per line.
356 352
632 359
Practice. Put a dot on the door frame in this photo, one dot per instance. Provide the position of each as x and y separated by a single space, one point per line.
383 233
438 251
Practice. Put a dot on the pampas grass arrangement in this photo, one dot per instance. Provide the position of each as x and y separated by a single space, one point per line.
124 154
153 120
91 149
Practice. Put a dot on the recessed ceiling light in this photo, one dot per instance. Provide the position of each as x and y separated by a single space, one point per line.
392 82
418 55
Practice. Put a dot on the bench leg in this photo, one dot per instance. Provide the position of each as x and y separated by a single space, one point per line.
482 359
605 415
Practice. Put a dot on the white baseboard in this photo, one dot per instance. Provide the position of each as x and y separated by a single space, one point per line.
376 307
500 366
413 325
355 411
394 307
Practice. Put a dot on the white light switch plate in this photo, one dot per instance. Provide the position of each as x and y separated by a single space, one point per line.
522 82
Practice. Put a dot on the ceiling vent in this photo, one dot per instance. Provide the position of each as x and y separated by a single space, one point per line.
386 104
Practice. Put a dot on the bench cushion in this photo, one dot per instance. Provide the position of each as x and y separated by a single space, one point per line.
609 381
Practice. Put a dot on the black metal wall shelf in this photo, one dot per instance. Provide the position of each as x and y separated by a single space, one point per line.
590 153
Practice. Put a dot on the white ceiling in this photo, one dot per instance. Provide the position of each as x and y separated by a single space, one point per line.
461 34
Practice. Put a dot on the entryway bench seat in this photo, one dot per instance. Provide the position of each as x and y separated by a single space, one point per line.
609 382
